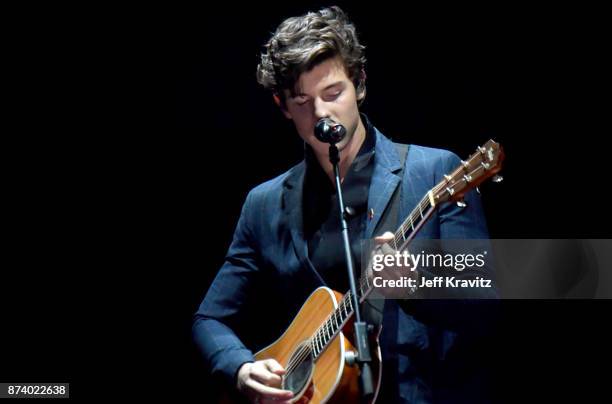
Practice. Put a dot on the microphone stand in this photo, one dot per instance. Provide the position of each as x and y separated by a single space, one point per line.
364 357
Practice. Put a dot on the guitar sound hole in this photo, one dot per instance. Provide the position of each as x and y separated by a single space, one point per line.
298 378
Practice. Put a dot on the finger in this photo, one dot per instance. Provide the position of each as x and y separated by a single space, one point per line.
266 377
267 392
384 238
274 367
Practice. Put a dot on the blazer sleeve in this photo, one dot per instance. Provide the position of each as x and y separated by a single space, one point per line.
216 323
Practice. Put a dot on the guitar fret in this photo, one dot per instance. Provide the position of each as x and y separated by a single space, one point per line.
413 219
324 334
333 323
332 326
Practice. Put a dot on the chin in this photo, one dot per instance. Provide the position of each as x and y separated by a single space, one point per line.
344 142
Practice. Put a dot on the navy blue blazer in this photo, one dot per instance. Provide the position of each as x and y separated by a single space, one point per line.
267 276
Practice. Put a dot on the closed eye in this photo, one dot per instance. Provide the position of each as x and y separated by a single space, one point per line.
334 95
300 101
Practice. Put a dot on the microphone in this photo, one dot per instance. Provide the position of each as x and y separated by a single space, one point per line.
329 131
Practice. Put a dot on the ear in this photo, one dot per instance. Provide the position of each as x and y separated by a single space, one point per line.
279 104
362 86
361 95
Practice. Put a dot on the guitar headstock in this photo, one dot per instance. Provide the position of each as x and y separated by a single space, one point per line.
483 164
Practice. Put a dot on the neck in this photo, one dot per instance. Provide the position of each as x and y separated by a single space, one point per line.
347 154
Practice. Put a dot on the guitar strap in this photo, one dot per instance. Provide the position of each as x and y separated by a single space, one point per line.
373 306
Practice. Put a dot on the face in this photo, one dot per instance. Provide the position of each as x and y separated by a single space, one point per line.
325 91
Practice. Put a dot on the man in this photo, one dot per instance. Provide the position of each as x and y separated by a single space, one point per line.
287 241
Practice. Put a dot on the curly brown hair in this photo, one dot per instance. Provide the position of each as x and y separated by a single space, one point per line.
300 43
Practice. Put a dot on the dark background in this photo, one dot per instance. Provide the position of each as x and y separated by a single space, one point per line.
133 136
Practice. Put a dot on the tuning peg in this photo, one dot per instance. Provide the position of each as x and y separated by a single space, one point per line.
498 179
461 204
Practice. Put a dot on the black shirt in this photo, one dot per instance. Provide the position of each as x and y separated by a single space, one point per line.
321 213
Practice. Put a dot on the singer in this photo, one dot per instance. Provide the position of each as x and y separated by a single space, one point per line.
287 241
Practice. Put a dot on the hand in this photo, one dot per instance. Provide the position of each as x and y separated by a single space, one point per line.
260 381
393 273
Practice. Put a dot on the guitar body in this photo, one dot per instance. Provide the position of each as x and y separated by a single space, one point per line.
331 377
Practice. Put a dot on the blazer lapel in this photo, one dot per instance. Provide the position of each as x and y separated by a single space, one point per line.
384 181
293 217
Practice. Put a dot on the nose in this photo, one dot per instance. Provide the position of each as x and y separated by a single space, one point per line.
320 108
